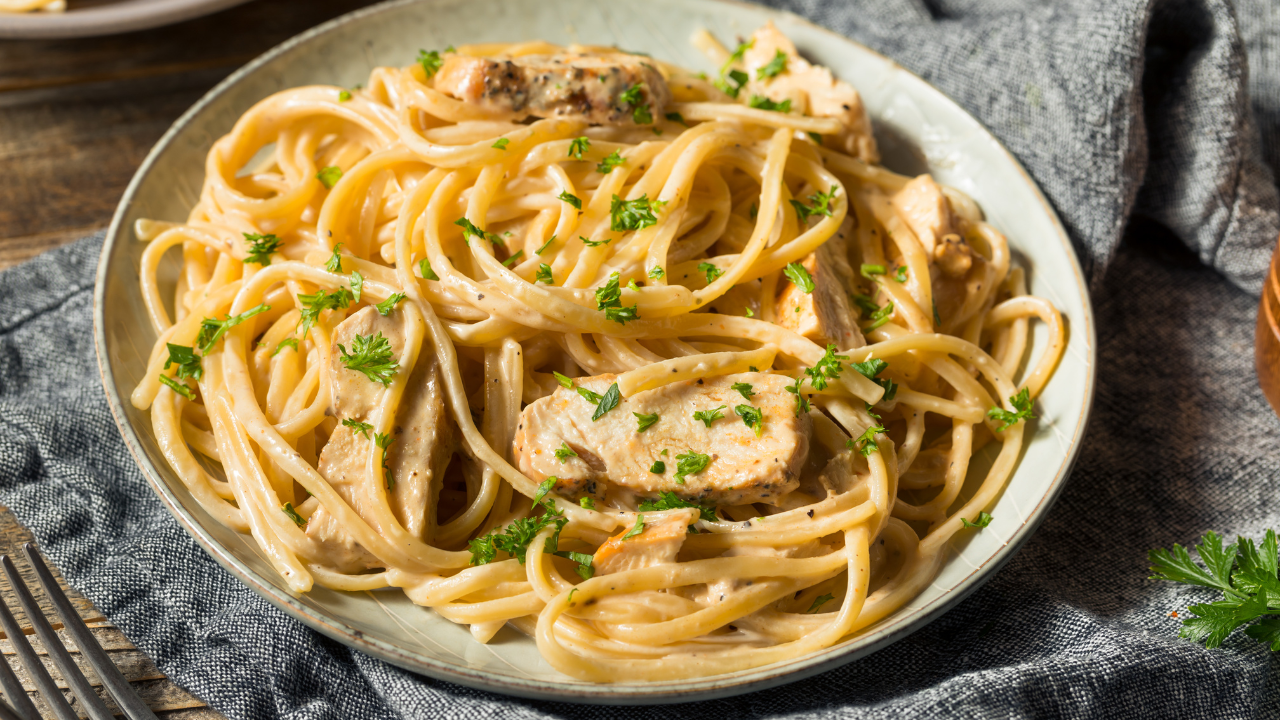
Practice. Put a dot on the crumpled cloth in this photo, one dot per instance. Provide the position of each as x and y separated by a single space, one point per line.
1159 116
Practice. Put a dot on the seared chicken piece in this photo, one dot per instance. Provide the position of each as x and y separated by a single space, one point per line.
810 87
424 442
928 213
742 468
657 544
588 86
824 315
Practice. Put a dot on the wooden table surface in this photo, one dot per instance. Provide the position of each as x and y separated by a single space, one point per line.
76 119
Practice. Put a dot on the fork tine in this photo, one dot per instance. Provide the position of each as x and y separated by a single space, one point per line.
39 675
75 679
115 682
19 706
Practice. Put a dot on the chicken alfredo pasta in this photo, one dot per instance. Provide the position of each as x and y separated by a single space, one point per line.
663 370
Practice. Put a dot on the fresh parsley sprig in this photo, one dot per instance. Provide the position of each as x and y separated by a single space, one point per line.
212 330
1245 574
1021 404
261 247
371 355
668 500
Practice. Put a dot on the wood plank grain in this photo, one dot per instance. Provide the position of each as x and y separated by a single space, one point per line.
78 116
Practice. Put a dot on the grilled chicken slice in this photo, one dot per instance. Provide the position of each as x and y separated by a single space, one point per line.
611 451
812 90
424 442
587 86
657 544
928 213
824 315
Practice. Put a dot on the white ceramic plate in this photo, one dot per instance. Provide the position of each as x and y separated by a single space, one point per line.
89 18
920 130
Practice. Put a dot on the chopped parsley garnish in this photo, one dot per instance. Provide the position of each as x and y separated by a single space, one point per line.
749 312
709 416
818 602
609 295
578 146
386 306
880 317
711 270
188 362
543 275
285 343
637 529
631 95
181 388
656 272
1249 592
515 538
469 230
623 315
983 520
571 199
594 243
690 463
744 388
645 421
611 398
288 510
584 560
820 204
800 277
870 271
677 117
827 367
319 301
424 269
901 275
668 500
737 77
564 452
357 285
587 503
545 245
760 102
873 367
657 468
329 176
632 214
513 259
431 62
815 137
544 488
802 403
776 66
866 442
334 264
565 381
211 330
631 285
372 356
642 116
613 160
383 441
752 417
1021 403
261 248
344 95
361 427
501 143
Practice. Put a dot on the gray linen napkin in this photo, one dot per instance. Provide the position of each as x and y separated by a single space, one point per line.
1181 440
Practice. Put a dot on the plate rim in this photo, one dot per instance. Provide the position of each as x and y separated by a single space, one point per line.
102 20
667 692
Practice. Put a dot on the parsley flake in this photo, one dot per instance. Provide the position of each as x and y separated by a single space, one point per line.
668 500
632 214
745 389
329 176
1021 403
709 416
565 381
372 356
319 301
690 463
752 417
513 259
594 243
386 306
776 66
361 427
613 160
211 330
188 362
637 529
571 199
424 269
800 277
760 102
578 146
819 204
611 398
261 248
431 62
645 422
818 602
587 503
870 271
181 388
383 441
983 520
656 272
501 143
469 230
711 271
285 343
658 467
543 275
564 452
545 245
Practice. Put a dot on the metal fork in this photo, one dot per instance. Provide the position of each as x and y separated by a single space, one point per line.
20 706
